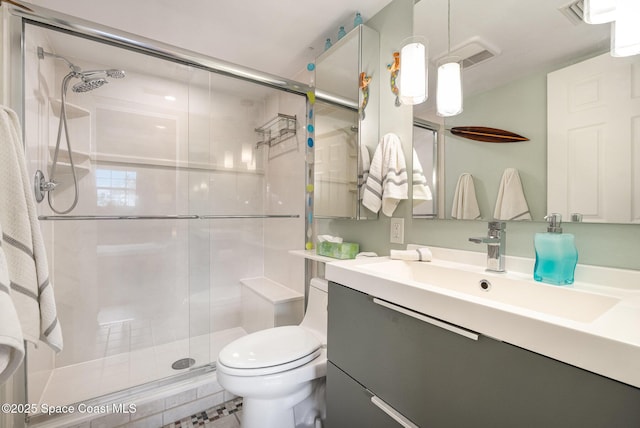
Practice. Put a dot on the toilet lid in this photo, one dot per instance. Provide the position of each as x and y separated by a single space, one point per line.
271 347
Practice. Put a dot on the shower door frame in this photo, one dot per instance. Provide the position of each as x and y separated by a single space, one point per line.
12 93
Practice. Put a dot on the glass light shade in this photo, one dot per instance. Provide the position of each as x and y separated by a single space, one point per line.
449 92
625 30
599 11
412 83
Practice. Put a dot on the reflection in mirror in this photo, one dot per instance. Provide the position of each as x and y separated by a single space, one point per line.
337 70
336 161
518 107
424 166
593 146
509 91
343 134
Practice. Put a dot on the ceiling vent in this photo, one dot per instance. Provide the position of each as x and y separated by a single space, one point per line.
472 52
574 12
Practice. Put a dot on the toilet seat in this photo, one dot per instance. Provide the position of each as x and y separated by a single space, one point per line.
269 351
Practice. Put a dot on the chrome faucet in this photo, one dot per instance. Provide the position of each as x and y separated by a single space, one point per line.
496 245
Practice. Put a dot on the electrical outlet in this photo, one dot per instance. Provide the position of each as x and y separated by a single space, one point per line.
397 231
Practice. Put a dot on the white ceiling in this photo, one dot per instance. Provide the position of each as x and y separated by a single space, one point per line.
531 36
281 37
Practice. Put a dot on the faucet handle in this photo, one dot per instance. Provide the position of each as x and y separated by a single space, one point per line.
497 225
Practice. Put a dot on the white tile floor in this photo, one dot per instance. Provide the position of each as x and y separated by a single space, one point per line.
79 382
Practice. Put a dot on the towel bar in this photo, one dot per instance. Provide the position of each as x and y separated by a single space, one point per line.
162 217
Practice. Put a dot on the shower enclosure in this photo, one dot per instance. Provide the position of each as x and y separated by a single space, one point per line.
183 195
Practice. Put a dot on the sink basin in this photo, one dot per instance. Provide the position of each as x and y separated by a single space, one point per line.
565 302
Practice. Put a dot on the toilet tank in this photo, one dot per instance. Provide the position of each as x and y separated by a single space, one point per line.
315 318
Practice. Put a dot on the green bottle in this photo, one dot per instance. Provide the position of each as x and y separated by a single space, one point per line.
556 254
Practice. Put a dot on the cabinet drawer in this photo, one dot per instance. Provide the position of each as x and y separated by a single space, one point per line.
349 404
439 378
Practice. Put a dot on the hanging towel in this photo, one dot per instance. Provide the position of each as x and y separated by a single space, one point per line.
465 204
387 182
11 342
511 203
422 254
421 190
363 169
22 243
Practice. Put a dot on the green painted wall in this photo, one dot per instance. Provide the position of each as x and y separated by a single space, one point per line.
519 107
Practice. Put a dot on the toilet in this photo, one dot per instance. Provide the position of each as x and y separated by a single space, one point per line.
280 372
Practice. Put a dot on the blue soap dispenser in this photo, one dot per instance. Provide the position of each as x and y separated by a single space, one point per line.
556 254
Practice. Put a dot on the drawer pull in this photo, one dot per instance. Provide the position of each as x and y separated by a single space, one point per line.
393 413
466 333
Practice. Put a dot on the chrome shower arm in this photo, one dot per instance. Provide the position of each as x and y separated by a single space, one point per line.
42 53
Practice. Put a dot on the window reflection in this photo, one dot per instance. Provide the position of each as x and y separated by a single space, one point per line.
116 188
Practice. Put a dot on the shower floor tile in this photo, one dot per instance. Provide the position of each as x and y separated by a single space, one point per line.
80 382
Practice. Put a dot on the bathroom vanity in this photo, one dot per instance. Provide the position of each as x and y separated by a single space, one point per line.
402 348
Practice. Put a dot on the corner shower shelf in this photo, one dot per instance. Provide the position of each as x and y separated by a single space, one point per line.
73 111
80 164
279 129
63 156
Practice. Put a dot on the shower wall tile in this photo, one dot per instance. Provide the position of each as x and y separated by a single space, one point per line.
135 293
110 420
178 399
191 408
154 421
208 389
286 195
150 408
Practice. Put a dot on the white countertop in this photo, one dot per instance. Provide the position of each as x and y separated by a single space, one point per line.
608 345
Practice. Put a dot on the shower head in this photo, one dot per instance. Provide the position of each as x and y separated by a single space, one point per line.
113 73
89 79
88 84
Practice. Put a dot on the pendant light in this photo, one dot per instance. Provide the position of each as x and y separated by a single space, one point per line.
449 90
599 11
412 82
625 30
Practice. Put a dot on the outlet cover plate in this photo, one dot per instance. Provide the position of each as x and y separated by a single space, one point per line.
396 235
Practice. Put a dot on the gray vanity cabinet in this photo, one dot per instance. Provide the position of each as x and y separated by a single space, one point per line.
450 377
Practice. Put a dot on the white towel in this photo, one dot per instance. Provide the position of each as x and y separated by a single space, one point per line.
465 204
363 169
11 342
387 182
421 190
366 254
22 243
422 254
511 203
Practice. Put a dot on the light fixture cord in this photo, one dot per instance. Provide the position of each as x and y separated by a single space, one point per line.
448 26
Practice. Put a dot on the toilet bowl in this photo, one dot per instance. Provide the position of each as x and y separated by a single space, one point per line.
280 372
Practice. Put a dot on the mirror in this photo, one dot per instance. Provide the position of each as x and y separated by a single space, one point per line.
336 161
509 91
425 172
346 122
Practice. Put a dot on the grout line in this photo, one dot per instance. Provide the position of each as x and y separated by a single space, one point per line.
203 418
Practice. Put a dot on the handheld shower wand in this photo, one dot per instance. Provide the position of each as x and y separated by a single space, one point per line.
89 80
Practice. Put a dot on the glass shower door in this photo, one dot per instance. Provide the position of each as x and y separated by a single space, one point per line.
130 299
